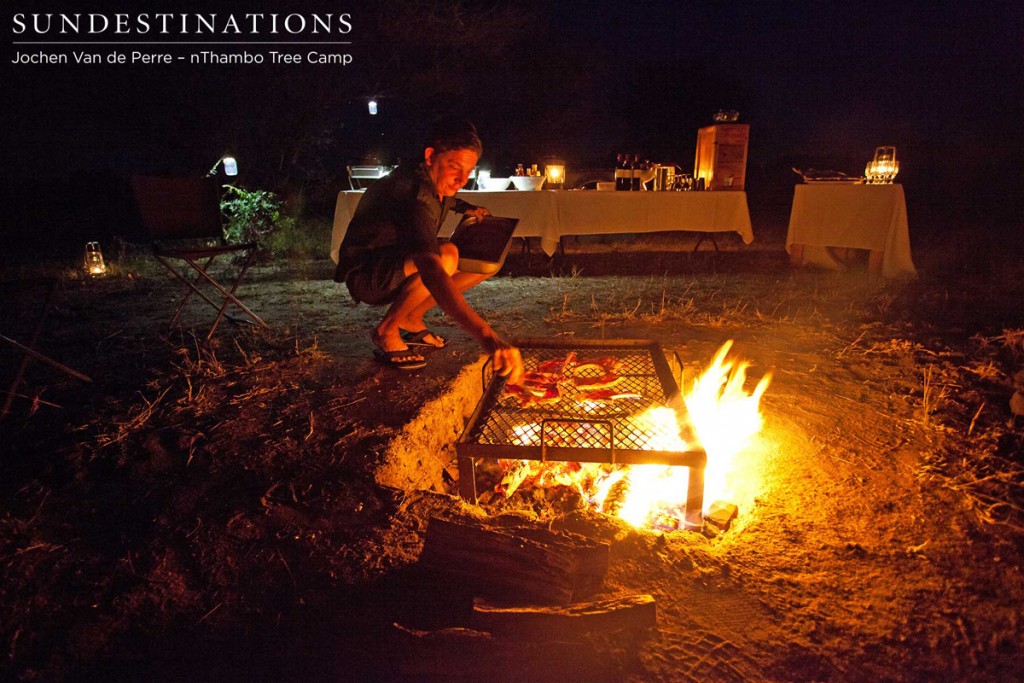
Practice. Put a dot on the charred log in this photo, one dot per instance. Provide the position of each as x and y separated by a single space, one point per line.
515 565
635 613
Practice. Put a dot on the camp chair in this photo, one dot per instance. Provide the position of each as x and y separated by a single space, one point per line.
182 216
22 291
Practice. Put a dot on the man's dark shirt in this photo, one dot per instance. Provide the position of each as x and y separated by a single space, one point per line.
400 212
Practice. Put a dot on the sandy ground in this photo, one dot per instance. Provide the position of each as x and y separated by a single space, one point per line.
214 512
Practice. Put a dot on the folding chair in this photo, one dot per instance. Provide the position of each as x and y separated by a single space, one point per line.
182 216
22 290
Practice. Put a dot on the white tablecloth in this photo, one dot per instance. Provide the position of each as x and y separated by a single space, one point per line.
550 214
870 217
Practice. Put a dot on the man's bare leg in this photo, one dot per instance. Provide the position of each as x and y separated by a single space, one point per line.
388 335
463 281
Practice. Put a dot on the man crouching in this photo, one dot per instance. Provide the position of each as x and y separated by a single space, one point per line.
391 255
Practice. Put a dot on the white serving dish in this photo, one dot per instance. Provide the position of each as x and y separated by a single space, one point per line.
493 184
528 182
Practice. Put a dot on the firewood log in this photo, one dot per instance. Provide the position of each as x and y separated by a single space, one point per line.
633 613
515 565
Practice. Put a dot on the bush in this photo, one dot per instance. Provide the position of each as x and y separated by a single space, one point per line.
253 215
309 239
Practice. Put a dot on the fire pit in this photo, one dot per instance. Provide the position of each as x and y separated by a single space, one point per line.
577 425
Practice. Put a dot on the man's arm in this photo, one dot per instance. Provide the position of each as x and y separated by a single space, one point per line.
464 207
460 205
507 360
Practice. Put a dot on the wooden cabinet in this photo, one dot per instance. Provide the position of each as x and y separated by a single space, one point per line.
722 156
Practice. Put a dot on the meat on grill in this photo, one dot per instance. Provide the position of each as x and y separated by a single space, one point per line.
544 386
603 382
606 395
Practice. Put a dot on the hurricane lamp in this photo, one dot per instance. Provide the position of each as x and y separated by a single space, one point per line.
883 168
555 174
94 264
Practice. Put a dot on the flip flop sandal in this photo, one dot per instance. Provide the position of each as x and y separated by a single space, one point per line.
401 360
420 339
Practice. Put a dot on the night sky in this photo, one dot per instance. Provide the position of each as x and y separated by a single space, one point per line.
821 84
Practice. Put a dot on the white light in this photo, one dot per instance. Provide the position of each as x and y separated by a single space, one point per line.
373 107
230 166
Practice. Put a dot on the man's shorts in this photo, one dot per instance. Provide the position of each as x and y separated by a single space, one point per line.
379 279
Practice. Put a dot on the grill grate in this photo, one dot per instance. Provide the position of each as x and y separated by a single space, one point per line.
573 429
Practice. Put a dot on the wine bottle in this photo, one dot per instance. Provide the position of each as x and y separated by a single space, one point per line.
635 172
621 181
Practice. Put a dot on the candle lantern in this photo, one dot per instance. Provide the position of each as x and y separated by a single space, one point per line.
883 168
94 264
555 174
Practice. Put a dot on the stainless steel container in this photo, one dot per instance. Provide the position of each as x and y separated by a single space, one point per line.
664 178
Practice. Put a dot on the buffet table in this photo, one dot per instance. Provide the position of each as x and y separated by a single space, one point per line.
843 215
551 214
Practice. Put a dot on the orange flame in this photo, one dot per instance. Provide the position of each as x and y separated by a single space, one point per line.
725 417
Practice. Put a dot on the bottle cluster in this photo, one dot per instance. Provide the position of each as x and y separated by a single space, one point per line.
629 172
521 170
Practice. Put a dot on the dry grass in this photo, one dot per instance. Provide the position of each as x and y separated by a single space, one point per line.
140 417
981 461
1011 339
931 398
657 300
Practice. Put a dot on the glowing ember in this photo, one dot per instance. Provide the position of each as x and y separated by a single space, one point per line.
725 418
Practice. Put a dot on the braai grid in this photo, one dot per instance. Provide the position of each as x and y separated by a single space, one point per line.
575 431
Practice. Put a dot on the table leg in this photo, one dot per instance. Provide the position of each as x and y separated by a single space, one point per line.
875 262
706 236
796 254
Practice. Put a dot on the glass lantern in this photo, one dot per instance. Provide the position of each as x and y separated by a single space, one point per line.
555 174
94 264
883 168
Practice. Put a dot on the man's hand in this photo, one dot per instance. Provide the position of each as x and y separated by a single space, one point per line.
508 362
478 213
